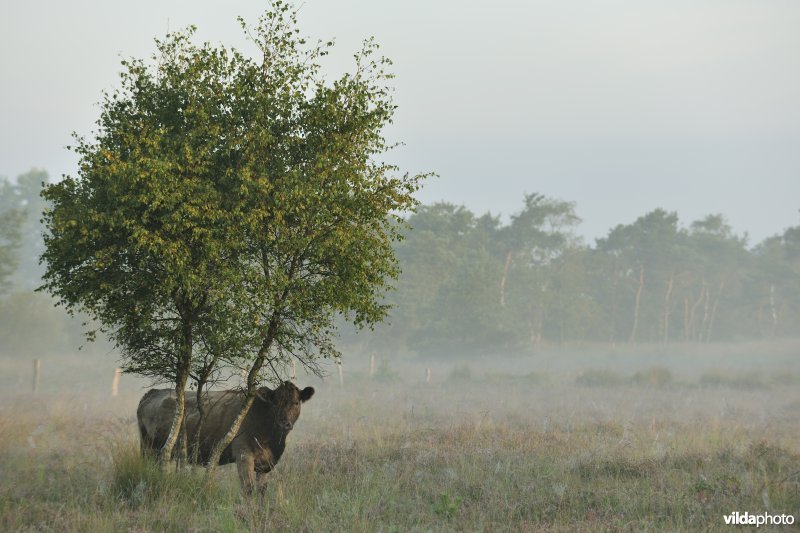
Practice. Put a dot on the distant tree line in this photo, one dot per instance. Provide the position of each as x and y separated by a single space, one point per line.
29 323
474 283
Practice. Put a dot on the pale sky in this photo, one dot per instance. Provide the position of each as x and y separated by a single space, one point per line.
621 106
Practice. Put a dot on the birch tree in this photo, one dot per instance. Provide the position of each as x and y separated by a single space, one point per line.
229 207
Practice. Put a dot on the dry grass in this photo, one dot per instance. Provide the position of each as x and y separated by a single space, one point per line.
477 449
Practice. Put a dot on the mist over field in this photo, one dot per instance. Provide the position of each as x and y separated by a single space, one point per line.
650 437
543 411
589 321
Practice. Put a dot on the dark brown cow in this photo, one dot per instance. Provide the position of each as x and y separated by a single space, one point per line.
261 438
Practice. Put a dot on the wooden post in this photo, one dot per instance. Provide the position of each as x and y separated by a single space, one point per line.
115 382
428 375
341 373
37 366
371 365
294 371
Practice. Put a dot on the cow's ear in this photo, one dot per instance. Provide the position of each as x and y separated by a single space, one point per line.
306 394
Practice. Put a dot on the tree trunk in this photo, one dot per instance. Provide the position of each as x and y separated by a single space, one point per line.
183 444
263 352
182 376
706 316
714 311
666 310
201 418
562 326
503 279
219 447
177 421
536 326
773 311
614 307
636 305
686 321
250 395
202 382
703 291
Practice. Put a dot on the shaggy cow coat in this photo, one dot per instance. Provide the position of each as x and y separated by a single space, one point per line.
257 446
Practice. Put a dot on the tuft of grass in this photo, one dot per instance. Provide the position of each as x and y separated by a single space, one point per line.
531 378
656 376
771 460
138 480
446 506
599 378
135 479
617 468
786 378
748 381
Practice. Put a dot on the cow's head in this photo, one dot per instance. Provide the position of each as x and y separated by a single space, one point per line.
285 401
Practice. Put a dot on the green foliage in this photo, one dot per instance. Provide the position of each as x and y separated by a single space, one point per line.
538 249
228 208
473 285
445 297
30 326
30 205
11 217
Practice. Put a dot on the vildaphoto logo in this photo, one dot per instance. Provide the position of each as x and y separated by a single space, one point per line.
758 520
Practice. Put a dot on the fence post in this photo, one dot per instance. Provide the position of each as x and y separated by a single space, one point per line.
115 382
341 373
371 365
37 365
428 375
294 371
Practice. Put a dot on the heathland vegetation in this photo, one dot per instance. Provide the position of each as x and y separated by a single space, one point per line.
628 439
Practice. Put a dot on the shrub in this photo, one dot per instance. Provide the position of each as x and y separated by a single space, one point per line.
742 381
460 373
657 376
599 378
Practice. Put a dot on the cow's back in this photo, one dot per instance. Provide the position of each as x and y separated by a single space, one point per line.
221 408
156 412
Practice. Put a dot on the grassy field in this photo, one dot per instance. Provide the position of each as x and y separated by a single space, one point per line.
559 441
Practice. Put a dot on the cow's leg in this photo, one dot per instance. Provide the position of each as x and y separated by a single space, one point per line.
261 481
247 472
146 444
